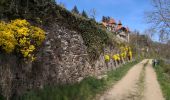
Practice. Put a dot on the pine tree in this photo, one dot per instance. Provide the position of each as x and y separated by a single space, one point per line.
75 10
84 14
108 19
104 19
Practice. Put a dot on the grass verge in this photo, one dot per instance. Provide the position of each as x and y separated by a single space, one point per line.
140 92
164 78
85 90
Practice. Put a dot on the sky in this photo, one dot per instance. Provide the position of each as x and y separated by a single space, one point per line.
130 12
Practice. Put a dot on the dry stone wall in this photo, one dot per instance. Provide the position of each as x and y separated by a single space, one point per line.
62 59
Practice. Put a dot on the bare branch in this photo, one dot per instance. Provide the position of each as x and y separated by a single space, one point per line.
159 17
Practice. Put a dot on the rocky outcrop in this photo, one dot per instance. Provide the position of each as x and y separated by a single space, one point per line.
62 59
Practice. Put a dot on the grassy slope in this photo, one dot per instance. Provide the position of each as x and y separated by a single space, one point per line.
164 78
85 90
94 35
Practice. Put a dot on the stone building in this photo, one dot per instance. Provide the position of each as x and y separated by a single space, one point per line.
121 31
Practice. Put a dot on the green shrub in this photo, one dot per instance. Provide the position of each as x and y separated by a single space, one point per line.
163 75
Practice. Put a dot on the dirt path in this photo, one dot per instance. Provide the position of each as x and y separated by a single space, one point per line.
126 86
139 83
152 88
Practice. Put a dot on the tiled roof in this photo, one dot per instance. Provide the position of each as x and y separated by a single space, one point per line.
112 21
118 27
126 29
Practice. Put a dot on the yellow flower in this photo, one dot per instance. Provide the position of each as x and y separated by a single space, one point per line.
17 36
114 57
23 41
107 58
38 36
118 57
122 55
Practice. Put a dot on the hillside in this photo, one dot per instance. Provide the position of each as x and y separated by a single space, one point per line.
50 53
47 14
73 49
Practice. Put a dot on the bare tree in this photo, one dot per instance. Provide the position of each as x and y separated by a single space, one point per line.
159 18
149 32
93 13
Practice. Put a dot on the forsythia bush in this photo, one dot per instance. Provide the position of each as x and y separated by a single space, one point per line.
19 36
107 58
125 52
130 53
116 57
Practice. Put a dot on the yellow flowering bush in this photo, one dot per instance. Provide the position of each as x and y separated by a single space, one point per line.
19 36
130 53
125 52
122 55
38 37
7 39
107 58
116 57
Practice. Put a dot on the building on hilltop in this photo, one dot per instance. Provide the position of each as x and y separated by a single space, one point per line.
117 28
110 24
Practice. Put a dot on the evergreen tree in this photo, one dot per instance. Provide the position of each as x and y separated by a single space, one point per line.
108 19
75 10
84 14
104 19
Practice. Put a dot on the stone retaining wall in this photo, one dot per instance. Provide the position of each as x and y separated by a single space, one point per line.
63 59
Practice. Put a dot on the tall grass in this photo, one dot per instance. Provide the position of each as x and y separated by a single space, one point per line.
163 75
85 90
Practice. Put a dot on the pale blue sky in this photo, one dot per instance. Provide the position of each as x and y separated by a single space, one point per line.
130 12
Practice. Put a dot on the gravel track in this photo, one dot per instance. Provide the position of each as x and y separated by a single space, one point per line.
128 87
